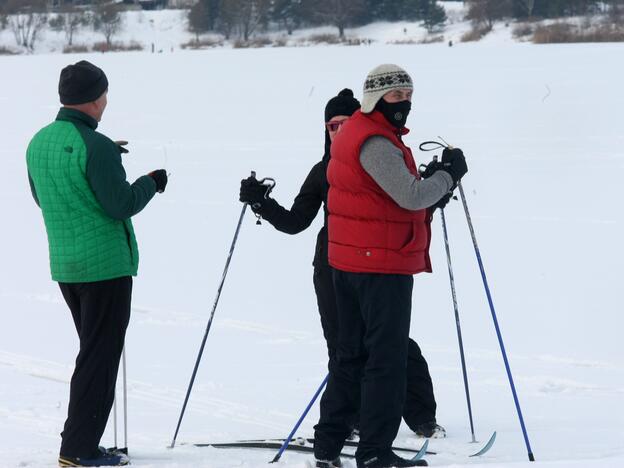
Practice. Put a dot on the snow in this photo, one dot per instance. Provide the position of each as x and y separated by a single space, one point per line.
541 128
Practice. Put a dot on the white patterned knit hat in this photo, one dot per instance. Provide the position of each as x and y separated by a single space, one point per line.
381 80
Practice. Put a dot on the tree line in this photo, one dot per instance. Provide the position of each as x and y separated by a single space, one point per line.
487 11
27 18
244 17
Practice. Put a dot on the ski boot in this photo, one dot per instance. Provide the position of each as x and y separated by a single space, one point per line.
430 430
336 463
389 460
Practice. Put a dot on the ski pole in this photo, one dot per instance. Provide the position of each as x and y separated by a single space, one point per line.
214 307
125 402
115 419
305 413
457 323
496 326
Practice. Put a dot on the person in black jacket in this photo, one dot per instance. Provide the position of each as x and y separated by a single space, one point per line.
420 405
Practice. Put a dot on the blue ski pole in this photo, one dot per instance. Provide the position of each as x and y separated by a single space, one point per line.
498 332
305 413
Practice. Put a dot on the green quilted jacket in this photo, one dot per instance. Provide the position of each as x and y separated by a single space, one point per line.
77 179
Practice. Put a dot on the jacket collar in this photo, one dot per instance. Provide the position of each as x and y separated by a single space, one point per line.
75 116
379 118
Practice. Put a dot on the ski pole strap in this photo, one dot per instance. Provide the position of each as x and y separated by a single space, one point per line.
432 145
270 184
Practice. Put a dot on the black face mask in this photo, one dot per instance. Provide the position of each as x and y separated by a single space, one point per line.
396 113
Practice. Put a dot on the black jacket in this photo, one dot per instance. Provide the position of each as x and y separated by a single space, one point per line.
312 195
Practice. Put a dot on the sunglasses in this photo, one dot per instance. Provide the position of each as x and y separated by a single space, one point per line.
334 126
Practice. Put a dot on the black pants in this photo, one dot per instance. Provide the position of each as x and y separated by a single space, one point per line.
420 405
369 373
101 312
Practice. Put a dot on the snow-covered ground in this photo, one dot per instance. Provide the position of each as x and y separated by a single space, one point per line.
542 129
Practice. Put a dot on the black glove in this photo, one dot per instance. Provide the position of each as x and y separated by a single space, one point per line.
454 163
252 191
442 202
160 177
431 168
121 144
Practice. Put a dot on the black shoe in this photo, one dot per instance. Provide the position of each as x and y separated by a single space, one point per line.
336 463
389 460
101 459
430 430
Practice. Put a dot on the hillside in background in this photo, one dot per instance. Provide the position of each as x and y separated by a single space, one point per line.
163 31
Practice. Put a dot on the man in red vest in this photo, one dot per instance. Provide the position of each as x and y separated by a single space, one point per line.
379 235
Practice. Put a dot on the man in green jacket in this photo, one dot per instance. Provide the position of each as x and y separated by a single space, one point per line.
77 179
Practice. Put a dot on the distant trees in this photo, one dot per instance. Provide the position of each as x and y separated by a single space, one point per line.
483 13
26 19
288 14
338 13
488 11
243 17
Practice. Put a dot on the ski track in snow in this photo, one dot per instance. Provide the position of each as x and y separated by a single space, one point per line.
159 395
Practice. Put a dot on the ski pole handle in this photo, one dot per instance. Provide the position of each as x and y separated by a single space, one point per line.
269 183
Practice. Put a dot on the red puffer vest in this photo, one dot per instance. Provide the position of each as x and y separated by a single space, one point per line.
368 231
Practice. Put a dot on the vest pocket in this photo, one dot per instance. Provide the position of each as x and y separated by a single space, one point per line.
418 239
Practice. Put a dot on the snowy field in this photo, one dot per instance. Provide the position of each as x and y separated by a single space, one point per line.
542 129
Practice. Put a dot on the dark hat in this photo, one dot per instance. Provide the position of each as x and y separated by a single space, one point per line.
343 104
81 83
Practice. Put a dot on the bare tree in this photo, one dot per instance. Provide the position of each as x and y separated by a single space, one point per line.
244 16
107 20
26 18
198 19
339 13
3 18
70 19
287 13
485 12
528 5
616 12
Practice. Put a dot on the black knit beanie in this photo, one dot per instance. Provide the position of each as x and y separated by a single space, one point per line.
343 104
81 83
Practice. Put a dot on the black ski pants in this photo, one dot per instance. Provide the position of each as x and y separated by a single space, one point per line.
101 312
369 373
420 405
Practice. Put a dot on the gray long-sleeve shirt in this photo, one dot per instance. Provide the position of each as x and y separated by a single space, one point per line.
384 162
